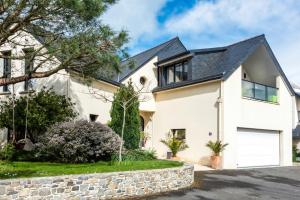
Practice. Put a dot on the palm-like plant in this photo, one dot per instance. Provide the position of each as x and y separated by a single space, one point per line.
216 147
175 145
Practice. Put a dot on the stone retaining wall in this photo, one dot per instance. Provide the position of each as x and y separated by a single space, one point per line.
98 186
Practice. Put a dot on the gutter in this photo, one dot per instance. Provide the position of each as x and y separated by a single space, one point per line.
188 83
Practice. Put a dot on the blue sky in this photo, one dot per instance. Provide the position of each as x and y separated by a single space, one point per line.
211 23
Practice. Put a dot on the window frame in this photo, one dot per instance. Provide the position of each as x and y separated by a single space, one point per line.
183 72
28 67
6 69
174 131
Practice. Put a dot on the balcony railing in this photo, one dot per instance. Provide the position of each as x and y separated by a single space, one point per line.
258 91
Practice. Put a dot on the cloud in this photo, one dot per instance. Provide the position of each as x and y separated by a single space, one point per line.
214 23
211 23
138 17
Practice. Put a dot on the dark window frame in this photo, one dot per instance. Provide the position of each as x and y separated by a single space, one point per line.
28 68
184 72
6 69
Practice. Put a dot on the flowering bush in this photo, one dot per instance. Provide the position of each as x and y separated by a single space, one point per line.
78 142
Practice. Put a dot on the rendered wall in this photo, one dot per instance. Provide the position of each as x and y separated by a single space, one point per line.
193 108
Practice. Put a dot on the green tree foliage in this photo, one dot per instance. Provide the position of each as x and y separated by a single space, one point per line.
70 30
126 100
44 109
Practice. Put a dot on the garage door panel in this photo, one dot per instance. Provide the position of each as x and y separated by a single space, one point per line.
257 148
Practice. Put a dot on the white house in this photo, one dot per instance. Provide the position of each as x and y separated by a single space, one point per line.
237 94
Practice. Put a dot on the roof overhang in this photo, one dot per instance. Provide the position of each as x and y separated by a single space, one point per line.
174 59
188 83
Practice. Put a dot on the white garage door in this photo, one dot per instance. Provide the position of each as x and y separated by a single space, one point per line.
258 148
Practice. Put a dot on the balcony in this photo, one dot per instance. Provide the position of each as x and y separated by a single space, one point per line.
259 92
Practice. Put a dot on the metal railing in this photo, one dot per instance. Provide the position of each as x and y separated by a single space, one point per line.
259 91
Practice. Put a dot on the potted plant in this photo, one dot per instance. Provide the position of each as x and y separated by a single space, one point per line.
216 147
175 145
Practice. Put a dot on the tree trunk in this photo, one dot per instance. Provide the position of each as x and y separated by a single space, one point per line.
122 133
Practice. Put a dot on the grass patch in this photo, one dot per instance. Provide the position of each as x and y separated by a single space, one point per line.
38 169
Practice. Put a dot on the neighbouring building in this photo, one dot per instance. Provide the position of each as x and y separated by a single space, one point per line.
296 131
237 94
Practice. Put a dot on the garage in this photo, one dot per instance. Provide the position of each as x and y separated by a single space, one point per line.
258 148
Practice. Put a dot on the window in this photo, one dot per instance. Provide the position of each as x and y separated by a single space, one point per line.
299 116
179 134
93 118
143 80
6 69
28 68
177 73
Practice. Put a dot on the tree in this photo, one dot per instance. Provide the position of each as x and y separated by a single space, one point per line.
125 117
70 34
44 109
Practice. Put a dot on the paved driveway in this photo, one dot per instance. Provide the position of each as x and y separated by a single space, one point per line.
268 183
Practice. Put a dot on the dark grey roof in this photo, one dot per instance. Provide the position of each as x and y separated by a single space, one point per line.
164 50
225 60
296 132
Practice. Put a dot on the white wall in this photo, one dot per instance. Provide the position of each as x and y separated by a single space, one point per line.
149 71
193 108
247 113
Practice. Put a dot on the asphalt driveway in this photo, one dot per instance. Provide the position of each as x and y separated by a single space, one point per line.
267 183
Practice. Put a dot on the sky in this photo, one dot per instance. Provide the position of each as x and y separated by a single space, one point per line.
212 23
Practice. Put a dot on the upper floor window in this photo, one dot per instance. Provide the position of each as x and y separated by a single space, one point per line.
6 68
177 73
28 68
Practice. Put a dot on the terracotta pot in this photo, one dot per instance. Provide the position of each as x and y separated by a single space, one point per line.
215 162
175 158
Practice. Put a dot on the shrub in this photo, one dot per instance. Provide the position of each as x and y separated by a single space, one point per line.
137 155
45 108
175 145
7 152
78 142
216 147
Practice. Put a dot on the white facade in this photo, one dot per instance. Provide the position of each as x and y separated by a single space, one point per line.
206 111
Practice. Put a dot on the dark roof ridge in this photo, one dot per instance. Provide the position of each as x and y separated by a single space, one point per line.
220 48
168 41
245 40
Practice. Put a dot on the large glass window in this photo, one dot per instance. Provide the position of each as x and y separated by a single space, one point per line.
177 73
6 69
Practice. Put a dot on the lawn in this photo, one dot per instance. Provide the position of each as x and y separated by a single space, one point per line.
38 169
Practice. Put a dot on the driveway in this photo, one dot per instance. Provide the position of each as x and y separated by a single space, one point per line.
267 183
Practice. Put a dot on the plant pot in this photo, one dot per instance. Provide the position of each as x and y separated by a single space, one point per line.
215 162
175 158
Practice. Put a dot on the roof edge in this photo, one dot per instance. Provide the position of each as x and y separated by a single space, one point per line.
188 83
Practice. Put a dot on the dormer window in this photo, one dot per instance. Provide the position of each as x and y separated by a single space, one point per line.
177 72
